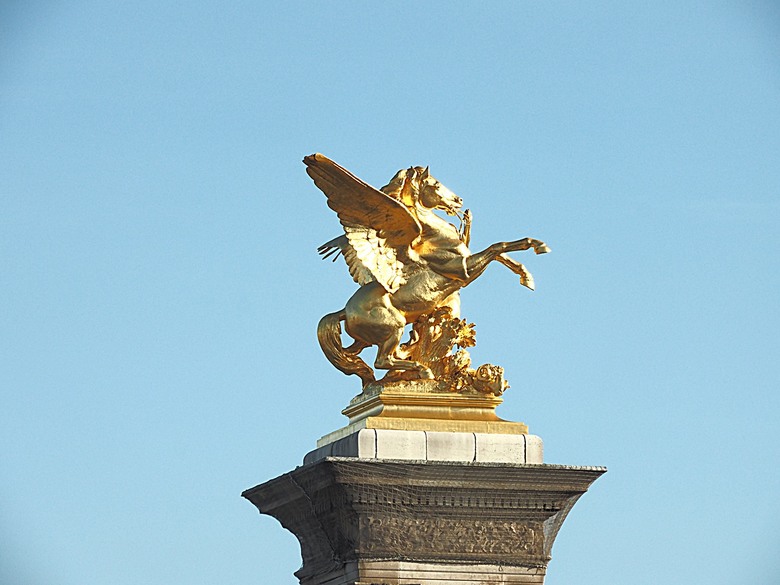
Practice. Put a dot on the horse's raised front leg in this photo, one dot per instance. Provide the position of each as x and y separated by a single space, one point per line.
526 243
477 263
526 279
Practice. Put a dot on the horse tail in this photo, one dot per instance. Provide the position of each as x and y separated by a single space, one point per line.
329 335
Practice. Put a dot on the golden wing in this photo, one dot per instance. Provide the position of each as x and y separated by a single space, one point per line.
359 204
368 258
377 227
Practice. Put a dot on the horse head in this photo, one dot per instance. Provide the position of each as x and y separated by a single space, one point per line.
434 195
415 186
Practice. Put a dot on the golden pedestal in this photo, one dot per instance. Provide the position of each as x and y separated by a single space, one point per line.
420 405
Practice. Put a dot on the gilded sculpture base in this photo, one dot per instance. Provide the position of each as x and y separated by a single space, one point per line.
421 405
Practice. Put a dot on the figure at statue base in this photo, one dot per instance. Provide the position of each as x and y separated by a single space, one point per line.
433 338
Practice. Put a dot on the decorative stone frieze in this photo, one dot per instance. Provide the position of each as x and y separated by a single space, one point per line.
350 514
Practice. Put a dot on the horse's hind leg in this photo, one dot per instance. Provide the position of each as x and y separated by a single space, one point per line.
373 320
386 360
356 347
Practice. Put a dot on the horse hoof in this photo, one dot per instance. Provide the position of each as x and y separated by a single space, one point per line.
426 374
543 249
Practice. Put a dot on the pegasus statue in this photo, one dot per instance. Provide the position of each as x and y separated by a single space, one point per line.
410 263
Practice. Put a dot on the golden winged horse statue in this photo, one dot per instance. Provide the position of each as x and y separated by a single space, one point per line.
407 260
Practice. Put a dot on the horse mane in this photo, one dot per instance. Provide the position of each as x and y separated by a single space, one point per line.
405 186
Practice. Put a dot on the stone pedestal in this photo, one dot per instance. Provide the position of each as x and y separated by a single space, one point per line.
401 507
433 446
368 521
424 486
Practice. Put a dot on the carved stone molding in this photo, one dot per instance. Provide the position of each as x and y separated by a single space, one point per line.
450 538
346 511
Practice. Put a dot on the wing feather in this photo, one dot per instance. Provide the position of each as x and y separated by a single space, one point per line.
368 258
358 204
377 228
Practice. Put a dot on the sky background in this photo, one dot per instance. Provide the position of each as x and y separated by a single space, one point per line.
160 287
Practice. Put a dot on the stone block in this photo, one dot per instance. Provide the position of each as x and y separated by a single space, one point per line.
500 448
359 444
318 454
450 446
408 445
534 449
433 446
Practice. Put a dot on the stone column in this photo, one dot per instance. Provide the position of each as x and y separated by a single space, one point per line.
410 507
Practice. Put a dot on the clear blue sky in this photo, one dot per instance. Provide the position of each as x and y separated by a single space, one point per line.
160 288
